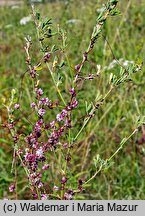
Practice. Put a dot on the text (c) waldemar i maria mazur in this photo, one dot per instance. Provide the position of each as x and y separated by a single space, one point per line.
83 207
110 207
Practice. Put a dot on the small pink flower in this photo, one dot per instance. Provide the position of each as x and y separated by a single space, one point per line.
65 145
35 196
15 138
68 123
17 106
46 57
72 92
77 67
33 73
12 188
45 167
11 125
40 185
33 105
75 103
59 117
52 124
39 152
39 92
19 151
41 112
64 180
44 101
44 197
67 196
56 188
64 112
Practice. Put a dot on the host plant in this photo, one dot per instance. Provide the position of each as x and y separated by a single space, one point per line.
46 148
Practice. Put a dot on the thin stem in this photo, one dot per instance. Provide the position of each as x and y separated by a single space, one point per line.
56 87
91 114
123 142
93 175
41 45
102 117
96 33
37 191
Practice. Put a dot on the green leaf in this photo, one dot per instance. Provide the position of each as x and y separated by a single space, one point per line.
115 12
3 140
88 107
46 23
113 1
38 15
62 64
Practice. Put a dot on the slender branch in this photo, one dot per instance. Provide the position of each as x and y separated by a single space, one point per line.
41 45
110 6
97 105
123 142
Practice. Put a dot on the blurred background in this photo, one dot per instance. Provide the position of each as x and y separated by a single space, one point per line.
125 179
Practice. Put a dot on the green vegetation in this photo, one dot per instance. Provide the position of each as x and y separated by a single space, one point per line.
122 38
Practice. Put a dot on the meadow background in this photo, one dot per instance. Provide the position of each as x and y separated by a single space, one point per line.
125 179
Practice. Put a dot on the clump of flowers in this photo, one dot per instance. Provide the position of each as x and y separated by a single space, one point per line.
48 137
